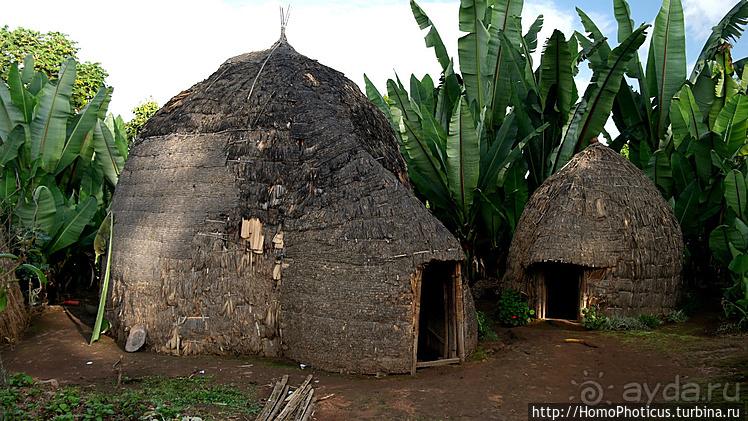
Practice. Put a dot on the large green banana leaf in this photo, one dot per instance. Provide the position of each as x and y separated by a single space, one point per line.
40 212
600 56
48 128
720 240
516 192
686 117
79 128
727 28
660 171
20 96
11 145
463 158
419 153
74 222
530 39
602 92
666 65
735 193
449 92
687 206
683 174
10 115
433 39
107 156
502 15
555 69
472 50
732 123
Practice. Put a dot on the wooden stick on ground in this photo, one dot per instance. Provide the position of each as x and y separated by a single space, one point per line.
273 400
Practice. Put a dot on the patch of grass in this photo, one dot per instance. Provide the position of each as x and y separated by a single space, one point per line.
153 397
479 354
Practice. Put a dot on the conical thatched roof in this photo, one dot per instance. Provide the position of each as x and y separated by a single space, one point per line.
601 212
266 210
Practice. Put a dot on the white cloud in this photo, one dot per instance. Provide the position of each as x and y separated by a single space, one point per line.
701 16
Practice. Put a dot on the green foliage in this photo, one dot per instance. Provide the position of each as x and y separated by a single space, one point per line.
58 168
142 113
593 318
624 323
677 316
152 397
485 327
691 138
512 309
49 50
649 320
477 144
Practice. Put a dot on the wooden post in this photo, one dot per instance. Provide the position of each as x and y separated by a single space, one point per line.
460 313
416 285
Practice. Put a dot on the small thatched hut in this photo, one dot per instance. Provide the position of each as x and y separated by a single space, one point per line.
266 210
597 233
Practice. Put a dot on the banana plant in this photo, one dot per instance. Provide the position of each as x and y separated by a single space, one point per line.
479 143
57 167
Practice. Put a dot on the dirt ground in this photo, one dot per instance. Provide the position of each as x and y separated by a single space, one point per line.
533 363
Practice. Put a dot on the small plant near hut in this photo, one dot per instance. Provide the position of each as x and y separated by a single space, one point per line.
624 323
593 318
677 316
512 309
649 320
485 330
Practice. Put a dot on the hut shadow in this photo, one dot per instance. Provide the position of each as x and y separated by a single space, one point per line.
82 322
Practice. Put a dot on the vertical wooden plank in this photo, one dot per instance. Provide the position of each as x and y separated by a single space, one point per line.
416 285
445 281
453 316
582 284
460 313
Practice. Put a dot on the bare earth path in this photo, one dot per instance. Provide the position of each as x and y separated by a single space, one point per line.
529 364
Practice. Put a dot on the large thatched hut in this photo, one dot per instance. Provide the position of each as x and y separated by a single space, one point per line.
597 233
266 210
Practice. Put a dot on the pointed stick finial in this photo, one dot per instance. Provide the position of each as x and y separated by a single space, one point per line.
284 16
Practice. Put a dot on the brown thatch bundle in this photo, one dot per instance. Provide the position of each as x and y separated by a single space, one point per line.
597 233
267 210
15 318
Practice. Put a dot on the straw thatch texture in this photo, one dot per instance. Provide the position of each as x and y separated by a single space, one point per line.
271 214
602 213
15 318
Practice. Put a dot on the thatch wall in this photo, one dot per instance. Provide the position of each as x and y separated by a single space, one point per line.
272 215
604 214
15 318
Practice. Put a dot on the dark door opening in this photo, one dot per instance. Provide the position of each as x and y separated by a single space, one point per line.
562 291
437 325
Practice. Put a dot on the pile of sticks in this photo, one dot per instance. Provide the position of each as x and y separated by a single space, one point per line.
297 406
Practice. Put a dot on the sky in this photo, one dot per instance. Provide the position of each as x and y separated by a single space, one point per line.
154 49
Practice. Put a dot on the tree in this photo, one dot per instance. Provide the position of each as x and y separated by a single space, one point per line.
50 50
58 168
142 113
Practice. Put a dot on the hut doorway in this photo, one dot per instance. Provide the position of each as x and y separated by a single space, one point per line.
440 336
560 286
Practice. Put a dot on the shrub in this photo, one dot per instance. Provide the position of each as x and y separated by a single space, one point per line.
649 320
624 323
593 318
513 310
